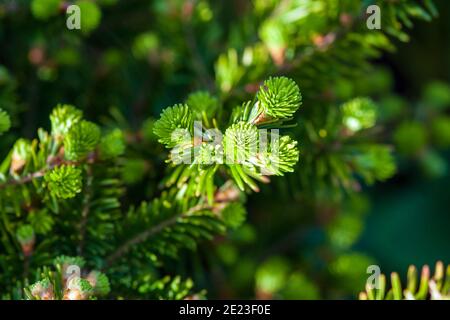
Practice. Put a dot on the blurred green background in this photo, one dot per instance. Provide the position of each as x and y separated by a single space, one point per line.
409 222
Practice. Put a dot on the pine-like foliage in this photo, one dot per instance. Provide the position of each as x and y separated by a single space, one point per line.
429 286
71 172
249 183
243 152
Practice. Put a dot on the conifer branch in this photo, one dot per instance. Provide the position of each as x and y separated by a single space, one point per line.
86 209
143 236
75 178
40 173
26 179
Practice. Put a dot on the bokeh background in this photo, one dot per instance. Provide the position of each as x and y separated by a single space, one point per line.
409 220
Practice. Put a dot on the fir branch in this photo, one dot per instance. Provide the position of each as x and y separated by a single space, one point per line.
143 236
338 34
338 148
38 174
86 209
26 179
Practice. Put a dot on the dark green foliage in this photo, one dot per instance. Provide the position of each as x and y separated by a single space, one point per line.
410 138
241 149
5 122
440 130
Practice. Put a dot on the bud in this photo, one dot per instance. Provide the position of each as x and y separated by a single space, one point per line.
25 236
43 290
65 263
36 55
19 157
99 282
78 289
346 20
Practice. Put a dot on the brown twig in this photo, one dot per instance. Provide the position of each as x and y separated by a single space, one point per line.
35 175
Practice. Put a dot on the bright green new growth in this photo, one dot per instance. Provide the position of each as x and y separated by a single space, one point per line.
100 283
25 233
359 113
202 102
240 142
279 97
81 285
41 290
44 284
5 122
64 181
68 260
81 139
440 130
209 153
281 157
62 118
247 152
177 117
